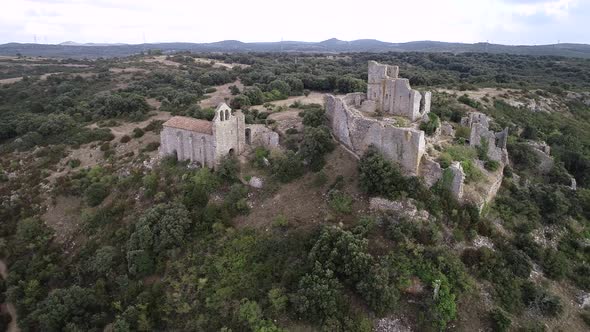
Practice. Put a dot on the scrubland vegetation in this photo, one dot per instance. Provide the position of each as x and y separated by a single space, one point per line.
156 245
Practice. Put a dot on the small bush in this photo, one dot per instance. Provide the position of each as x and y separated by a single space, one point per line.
320 179
210 90
500 320
432 124
125 139
96 193
152 146
138 132
492 165
462 132
280 221
73 163
340 201
105 146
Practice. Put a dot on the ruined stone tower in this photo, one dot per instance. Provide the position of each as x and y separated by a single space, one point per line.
394 95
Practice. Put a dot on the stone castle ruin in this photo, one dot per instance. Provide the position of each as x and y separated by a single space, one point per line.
388 117
388 93
206 142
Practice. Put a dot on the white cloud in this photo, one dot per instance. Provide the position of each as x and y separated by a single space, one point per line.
505 21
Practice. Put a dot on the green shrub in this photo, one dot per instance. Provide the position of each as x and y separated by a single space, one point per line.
260 155
229 168
280 221
461 152
151 146
286 166
432 124
320 179
462 133
138 132
472 173
340 201
445 160
125 139
500 320
210 90
492 165
73 163
96 193
469 102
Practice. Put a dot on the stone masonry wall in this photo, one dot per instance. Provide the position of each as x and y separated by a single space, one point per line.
188 145
260 135
229 132
406 146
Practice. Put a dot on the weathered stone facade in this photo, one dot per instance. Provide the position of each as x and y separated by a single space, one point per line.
206 142
356 131
391 94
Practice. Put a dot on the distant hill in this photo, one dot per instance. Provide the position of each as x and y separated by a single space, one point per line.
92 50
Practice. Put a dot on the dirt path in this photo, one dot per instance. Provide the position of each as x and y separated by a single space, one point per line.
220 95
8 307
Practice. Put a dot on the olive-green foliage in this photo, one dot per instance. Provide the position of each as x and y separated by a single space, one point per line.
500 320
379 176
251 313
316 143
150 183
313 116
319 295
96 193
339 201
119 104
235 202
286 166
432 124
165 226
71 307
229 168
260 154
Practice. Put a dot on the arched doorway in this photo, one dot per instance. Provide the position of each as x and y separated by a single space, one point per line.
248 136
231 152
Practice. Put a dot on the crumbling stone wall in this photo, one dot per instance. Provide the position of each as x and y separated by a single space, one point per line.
405 146
480 133
260 135
391 94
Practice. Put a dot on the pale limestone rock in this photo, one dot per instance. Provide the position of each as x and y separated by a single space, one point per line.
402 209
256 182
458 180
447 130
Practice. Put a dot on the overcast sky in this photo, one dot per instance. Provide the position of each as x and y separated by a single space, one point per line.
130 21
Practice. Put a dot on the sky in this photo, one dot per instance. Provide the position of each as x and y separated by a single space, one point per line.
513 22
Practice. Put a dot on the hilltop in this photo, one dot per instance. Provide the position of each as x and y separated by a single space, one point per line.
83 50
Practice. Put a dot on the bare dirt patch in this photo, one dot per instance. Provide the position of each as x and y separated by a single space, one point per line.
222 94
162 59
304 203
218 64
63 217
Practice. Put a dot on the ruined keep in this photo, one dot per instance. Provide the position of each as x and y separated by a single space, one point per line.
393 95
353 123
206 142
388 117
